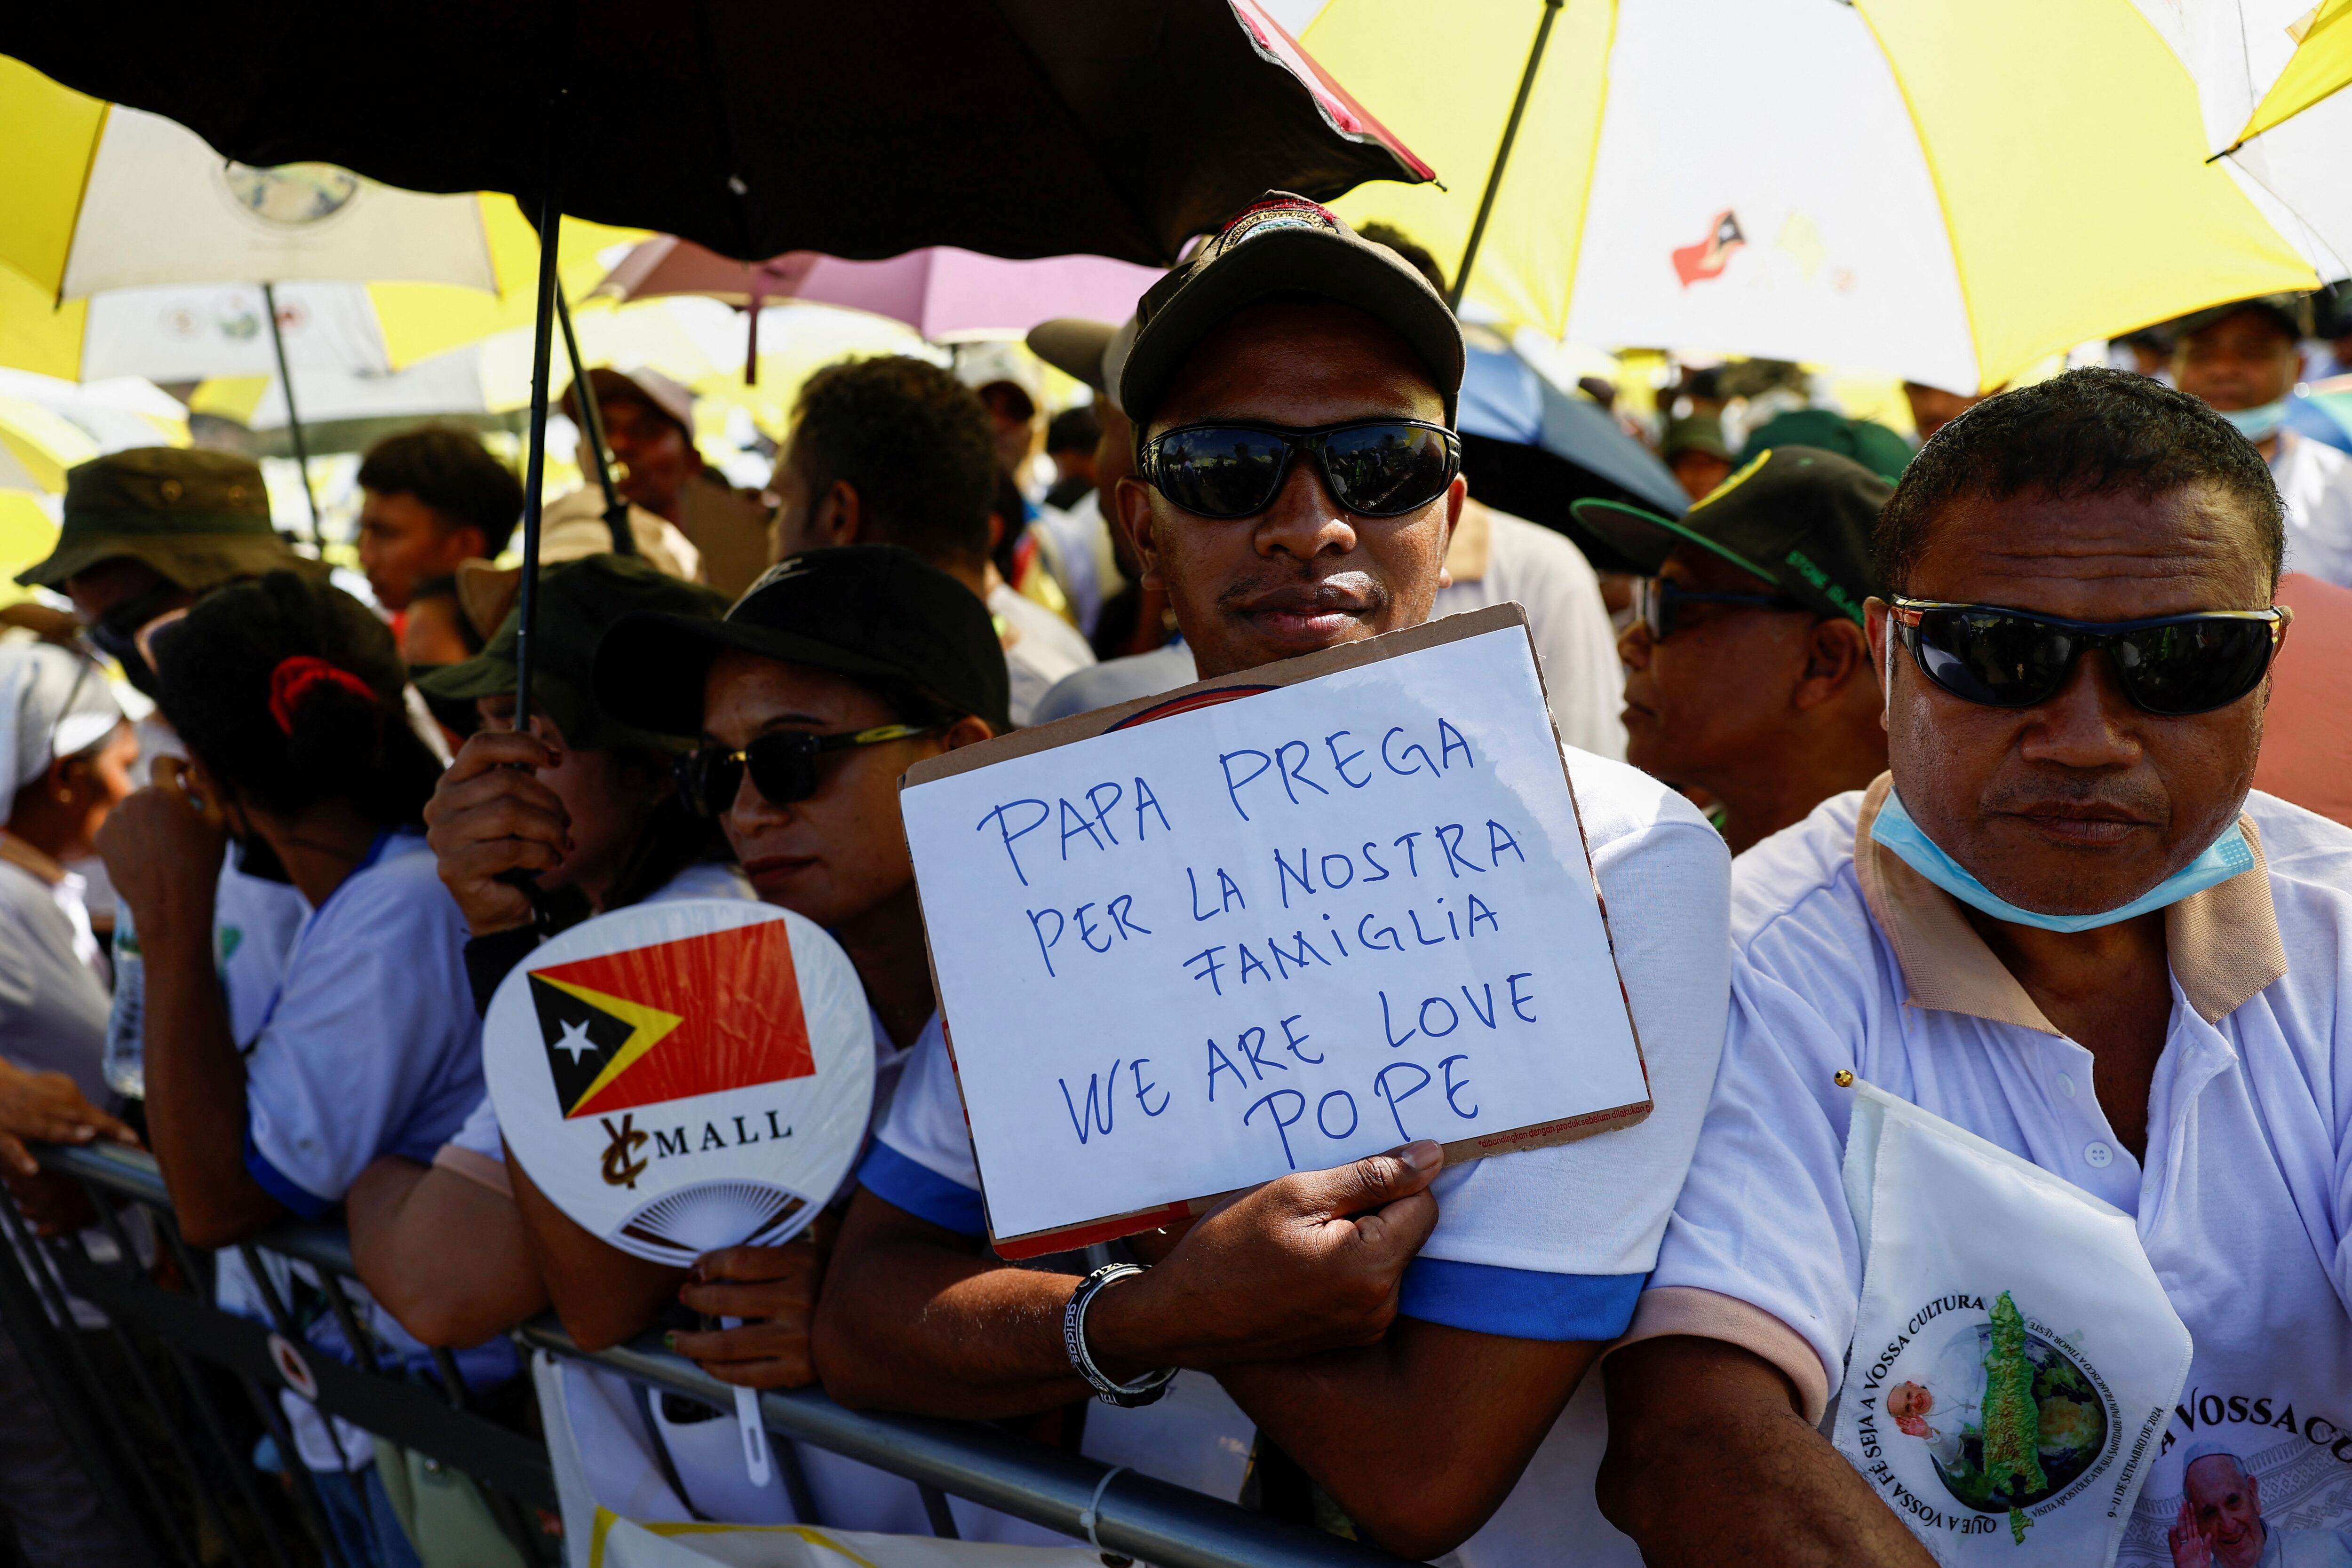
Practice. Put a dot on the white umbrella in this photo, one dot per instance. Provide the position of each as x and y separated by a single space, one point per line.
2296 169
1948 192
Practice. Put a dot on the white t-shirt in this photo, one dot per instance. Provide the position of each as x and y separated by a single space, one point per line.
371 1046
1043 648
2244 1206
1516 562
1584 682
2315 480
1550 1244
368 1046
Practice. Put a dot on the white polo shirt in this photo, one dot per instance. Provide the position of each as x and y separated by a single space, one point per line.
1550 1244
1846 958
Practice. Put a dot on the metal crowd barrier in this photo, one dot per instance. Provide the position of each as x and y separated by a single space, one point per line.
151 1404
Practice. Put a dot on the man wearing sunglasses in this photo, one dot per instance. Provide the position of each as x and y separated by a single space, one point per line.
1403 1341
1747 674
2062 922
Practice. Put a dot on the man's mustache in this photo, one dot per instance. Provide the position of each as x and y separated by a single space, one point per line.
1359 594
2085 794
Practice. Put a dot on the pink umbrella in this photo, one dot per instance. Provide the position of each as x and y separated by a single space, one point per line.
940 291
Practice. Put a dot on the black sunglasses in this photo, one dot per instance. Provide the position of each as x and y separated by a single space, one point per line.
783 764
2172 664
1657 601
1373 467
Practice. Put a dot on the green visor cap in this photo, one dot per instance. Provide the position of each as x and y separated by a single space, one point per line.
200 518
1800 518
577 600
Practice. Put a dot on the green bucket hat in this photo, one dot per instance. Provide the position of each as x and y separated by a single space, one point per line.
577 600
200 518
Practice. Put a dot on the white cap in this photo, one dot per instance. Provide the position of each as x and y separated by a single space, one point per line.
53 703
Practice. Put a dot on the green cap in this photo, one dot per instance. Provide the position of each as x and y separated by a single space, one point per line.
1694 433
200 518
1870 443
1798 519
577 599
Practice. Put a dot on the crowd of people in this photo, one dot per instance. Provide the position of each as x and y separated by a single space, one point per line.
1956 779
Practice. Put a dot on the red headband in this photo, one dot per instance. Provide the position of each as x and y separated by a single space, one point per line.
294 678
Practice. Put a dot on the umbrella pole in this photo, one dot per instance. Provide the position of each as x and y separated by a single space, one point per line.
751 347
592 420
1503 154
293 420
551 219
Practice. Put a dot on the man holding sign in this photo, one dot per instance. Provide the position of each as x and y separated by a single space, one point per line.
1409 1339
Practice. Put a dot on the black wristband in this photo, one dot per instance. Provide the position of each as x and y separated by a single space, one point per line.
488 959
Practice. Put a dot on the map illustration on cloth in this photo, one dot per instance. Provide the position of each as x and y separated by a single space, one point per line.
671 1020
2009 1417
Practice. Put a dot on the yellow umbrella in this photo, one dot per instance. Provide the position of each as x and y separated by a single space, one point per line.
1947 193
127 247
37 446
2320 67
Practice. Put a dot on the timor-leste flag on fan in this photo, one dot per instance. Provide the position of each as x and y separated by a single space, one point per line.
673 1021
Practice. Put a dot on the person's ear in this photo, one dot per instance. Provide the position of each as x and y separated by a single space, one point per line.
839 514
1131 502
1880 632
1457 496
1837 653
969 730
220 801
476 543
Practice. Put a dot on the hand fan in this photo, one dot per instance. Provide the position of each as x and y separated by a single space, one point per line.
679 1077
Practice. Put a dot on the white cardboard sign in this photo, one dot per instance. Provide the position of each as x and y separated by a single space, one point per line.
685 1075
1226 939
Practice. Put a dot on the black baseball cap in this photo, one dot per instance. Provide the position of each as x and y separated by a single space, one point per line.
1797 517
873 612
1283 244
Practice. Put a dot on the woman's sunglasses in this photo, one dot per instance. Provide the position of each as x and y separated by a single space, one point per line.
2172 664
783 764
1374 467
1657 602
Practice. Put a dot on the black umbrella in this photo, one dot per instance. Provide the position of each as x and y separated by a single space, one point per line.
1019 128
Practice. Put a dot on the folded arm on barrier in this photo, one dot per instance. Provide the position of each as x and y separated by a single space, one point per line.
403 1217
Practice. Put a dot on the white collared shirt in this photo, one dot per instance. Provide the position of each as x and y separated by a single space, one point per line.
2245 1203
2314 481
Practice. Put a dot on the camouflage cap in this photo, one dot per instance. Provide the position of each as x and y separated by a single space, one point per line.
200 518
577 600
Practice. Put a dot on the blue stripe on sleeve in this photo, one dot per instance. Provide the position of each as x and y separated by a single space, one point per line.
305 1203
921 1191
1519 1303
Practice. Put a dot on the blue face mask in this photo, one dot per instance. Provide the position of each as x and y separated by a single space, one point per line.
2256 423
2225 858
